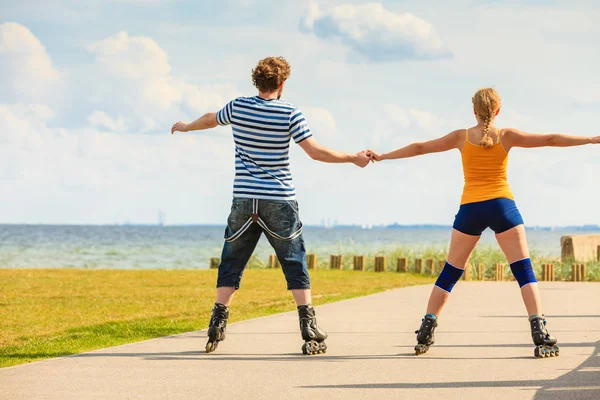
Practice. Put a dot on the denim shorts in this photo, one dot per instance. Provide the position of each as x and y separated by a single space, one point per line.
499 215
282 218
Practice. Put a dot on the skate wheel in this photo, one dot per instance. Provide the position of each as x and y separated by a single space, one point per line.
421 349
543 352
323 347
211 346
307 348
310 348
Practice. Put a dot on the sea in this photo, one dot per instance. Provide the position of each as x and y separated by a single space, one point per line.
191 247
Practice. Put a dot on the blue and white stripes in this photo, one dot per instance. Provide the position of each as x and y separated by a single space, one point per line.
262 130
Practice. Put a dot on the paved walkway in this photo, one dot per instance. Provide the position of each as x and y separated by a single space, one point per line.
483 350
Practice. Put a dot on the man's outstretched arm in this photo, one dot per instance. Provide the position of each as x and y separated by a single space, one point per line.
207 121
324 154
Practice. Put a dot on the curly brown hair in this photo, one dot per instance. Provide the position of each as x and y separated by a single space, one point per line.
270 73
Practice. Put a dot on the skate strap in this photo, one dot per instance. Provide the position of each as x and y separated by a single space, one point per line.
255 218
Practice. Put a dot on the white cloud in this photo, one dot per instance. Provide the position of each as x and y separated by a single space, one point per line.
85 175
134 57
26 68
101 119
24 125
376 34
320 121
208 97
142 85
411 124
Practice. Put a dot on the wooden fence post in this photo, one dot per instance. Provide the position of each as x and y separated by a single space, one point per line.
582 272
429 265
480 272
214 263
274 261
311 261
598 253
467 275
359 263
402 265
418 265
499 272
380 264
575 272
336 261
545 272
548 272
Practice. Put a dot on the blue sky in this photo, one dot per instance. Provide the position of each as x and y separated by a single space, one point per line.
90 91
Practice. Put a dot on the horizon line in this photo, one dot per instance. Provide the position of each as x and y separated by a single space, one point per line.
356 225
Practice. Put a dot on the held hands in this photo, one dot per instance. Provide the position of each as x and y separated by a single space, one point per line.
179 126
596 140
373 155
362 159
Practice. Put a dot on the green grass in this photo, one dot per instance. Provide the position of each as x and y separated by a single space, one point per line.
56 312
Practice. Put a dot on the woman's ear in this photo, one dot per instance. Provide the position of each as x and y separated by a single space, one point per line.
497 112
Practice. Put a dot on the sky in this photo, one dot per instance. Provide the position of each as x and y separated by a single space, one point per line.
89 91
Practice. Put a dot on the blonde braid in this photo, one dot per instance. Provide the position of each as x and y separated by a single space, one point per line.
486 102
486 140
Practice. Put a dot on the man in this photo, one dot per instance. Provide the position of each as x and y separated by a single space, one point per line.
264 194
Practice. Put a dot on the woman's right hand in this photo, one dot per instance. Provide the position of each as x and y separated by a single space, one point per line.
374 156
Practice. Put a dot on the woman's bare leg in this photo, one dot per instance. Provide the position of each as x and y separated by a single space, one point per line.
461 247
513 243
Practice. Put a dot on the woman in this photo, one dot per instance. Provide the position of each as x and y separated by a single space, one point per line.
487 201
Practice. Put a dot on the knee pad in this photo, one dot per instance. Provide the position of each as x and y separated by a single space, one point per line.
523 272
448 277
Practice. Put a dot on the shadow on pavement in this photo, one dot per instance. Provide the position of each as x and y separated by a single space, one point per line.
583 382
198 355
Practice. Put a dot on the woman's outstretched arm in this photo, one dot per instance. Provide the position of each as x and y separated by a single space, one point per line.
516 138
445 143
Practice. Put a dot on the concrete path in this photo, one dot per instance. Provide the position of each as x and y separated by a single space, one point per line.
483 350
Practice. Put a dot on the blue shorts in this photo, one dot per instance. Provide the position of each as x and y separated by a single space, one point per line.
498 214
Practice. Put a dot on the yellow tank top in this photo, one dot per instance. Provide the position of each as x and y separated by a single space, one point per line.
485 173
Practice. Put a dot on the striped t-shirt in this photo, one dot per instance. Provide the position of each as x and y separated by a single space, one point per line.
261 131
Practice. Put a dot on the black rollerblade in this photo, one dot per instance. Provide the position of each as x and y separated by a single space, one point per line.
545 344
425 334
314 337
217 326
